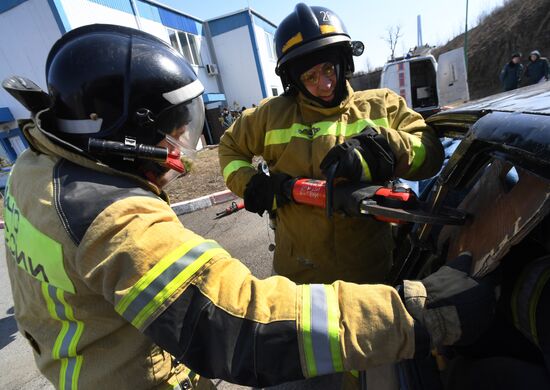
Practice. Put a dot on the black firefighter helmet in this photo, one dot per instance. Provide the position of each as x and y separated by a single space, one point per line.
119 84
310 30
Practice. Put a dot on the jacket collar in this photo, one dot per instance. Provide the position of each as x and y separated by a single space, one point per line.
41 141
312 111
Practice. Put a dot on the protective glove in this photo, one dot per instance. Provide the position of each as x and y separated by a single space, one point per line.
348 197
266 193
366 156
453 307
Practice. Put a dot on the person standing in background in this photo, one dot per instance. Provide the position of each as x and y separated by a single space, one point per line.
537 69
511 73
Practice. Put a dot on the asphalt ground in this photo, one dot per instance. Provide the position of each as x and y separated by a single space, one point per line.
245 235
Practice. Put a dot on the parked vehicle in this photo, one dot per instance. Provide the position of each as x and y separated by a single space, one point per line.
500 176
425 84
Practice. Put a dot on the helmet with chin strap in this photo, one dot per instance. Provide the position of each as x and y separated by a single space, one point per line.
307 31
123 87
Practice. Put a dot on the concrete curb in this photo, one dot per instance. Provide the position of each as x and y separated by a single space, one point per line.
203 202
189 206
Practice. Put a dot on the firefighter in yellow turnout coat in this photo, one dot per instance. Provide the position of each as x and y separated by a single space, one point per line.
111 291
319 113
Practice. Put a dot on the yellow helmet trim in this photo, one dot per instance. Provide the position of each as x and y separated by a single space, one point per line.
292 41
327 28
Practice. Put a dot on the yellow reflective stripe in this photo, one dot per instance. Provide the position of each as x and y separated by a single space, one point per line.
51 309
146 279
333 314
171 287
39 255
165 278
306 331
66 343
234 166
319 129
327 28
292 41
381 122
366 170
419 154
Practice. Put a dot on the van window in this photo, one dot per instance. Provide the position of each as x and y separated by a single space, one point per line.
423 84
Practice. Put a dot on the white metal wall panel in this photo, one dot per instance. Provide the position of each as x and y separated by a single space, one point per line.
271 79
237 67
26 34
155 28
83 12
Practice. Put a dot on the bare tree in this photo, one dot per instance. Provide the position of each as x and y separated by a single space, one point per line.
393 35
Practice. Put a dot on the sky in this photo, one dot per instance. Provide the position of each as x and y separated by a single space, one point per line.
366 20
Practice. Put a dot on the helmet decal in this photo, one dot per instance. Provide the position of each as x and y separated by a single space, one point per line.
292 41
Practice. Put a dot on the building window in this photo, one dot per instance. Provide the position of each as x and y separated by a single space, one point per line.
274 91
186 44
270 43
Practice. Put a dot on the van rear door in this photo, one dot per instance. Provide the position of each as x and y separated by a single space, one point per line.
452 78
396 76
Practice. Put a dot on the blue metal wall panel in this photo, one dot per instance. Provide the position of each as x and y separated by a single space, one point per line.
229 23
6 145
121 5
179 22
5 115
6 5
148 11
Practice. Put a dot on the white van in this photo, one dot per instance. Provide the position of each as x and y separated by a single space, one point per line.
427 85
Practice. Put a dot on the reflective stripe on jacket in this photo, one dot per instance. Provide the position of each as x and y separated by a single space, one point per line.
293 135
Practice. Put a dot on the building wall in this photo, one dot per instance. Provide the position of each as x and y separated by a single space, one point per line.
27 32
237 67
268 60
24 51
82 12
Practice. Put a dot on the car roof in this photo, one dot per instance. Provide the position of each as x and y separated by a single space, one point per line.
533 100
514 125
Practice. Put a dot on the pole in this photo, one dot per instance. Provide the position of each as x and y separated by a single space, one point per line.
466 40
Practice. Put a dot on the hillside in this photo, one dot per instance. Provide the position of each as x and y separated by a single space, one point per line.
518 25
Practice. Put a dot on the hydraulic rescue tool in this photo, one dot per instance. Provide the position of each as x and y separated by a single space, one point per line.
235 206
394 204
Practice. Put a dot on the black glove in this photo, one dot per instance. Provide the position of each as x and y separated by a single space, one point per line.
262 190
348 197
367 157
454 307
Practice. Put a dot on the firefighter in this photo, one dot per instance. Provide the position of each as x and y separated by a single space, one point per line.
109 288
320 121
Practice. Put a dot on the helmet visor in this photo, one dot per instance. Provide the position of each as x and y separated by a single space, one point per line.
181 136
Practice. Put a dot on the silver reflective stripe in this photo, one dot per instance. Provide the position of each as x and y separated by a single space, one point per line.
319 330
79 126
185 93
167 276
65 346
